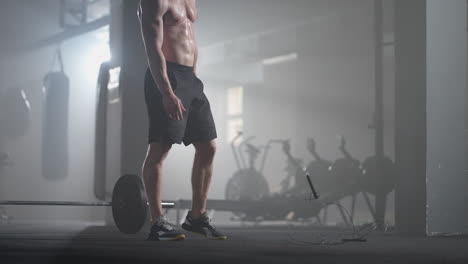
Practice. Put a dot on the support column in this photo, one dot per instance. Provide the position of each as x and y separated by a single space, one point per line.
129 52
410 116
431 66
447 187
381 196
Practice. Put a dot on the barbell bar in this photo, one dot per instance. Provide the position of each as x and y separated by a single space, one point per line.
129 204
72 203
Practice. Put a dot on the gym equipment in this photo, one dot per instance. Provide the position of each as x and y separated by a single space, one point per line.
325 175
108 126
100 140
312 188
364 179
300 172
278 206
246 183
346 171
294 169
129 204
55 126
346 174
335 181
379 183
338 180
319 170
372 182
341 178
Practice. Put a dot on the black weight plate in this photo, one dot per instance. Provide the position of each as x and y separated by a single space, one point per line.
129 204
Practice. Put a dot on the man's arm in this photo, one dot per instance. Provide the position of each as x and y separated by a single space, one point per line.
151 13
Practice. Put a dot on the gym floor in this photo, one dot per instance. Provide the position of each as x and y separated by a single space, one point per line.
272 244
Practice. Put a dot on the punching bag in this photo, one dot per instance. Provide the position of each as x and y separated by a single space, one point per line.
55 126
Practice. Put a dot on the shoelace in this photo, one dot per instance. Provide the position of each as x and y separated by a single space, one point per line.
171 225
207 220
166 224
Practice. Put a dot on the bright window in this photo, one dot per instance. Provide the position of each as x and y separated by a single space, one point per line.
234 104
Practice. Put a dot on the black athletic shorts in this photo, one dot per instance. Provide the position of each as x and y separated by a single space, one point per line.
197 125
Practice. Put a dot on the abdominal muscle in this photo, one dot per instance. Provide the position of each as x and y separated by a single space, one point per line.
179 43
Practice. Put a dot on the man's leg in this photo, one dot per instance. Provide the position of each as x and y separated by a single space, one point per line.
201 175
197 220
152 176
160 229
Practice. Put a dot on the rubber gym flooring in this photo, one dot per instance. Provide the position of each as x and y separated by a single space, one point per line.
271 244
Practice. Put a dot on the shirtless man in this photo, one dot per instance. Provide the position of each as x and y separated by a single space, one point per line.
178 111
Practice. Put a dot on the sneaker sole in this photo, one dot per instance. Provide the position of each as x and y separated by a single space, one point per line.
219 238
189 229
179 237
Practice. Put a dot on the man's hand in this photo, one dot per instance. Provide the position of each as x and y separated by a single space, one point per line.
174 107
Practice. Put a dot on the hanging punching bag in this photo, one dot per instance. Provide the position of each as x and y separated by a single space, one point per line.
55 126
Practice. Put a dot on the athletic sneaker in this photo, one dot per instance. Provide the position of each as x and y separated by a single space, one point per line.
163 230
202 226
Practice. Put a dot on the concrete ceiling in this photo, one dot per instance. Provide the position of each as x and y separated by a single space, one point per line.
30 20
224 20
23 22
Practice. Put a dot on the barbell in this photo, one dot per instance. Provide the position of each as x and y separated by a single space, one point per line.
129 204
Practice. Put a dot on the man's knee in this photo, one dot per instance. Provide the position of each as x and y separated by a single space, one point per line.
157 153
207 149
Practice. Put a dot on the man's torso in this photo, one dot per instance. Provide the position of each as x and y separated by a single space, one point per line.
179 37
